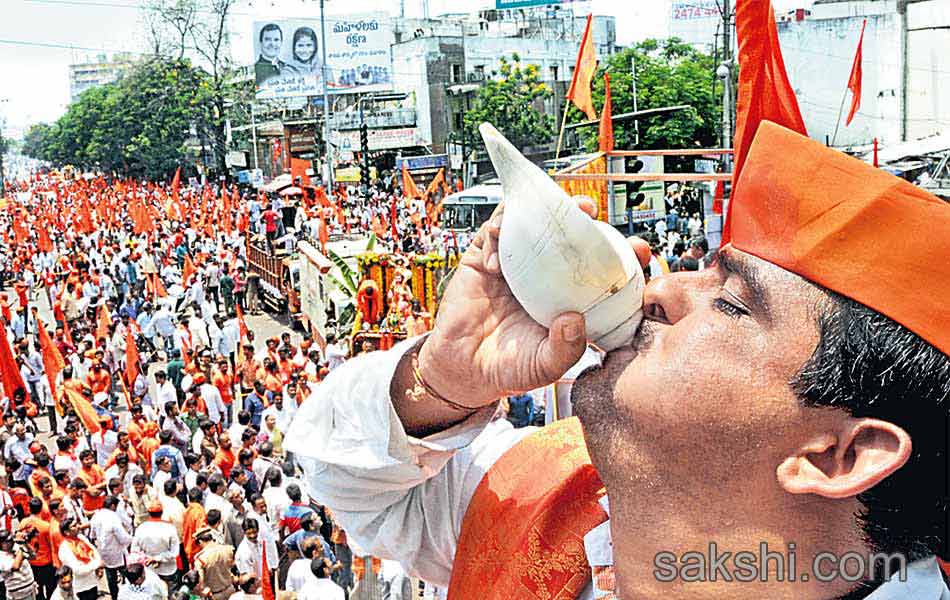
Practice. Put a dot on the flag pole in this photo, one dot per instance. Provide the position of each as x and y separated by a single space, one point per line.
560 137
838 122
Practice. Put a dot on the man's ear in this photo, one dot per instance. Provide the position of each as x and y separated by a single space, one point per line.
846 462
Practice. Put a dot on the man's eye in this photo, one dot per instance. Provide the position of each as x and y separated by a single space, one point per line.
728 308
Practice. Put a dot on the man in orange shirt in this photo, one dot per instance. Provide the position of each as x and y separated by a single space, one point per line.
98 378
123 446
40 471
39 540
248 370
55 535
48 492
91 473
271 377
221 379
136 427
149 442
225 458
194 520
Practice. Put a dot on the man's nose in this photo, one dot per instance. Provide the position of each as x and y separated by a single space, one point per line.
667 298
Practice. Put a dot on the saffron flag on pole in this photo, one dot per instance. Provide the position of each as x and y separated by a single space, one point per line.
105 321
53 362
854 81
409 188
764 92
605 136
9 373
131 358
83 409
187 270
584 68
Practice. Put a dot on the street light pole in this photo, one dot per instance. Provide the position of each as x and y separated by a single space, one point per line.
326 101
254 136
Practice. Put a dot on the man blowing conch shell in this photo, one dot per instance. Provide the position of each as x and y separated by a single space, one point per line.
792 398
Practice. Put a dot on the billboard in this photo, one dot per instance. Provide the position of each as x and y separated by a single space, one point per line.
503 4
288 55
696 22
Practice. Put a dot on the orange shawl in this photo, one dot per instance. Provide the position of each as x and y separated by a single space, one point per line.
527 521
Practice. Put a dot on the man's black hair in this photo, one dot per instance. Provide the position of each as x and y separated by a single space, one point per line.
870 366
195 495
213 517
270 27
293 492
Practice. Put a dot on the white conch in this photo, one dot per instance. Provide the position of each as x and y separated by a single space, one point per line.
556 258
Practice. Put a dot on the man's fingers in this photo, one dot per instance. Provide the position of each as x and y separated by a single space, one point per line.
641 248
564 346
586 204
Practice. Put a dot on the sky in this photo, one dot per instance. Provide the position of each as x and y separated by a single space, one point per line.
39 39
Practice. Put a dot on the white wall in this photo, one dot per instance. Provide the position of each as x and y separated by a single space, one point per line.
928 68
818 56
410 76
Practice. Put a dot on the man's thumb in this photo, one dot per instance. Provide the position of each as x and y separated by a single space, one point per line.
564 345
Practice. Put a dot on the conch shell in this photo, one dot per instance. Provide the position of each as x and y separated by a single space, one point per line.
557 259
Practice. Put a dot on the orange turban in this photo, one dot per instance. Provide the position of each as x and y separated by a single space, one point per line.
847 226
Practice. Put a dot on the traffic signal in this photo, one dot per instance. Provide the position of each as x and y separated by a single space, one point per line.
364 155
634 196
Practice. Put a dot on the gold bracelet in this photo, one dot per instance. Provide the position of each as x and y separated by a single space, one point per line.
422 389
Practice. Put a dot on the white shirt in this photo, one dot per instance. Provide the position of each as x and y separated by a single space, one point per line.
165 393
277 502
152 588
173 511
213 401
84 574
110 537
104 443
248 556
299 576
159 541
213 501
324 589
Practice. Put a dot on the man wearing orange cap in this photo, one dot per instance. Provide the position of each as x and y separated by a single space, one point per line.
776 429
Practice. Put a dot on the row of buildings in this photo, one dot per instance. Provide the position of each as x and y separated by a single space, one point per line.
438 64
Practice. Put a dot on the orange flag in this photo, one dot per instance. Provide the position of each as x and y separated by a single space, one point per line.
606 135
437 181
9 372
187 270
158 287
83 409
854 81
131 358
102 328
298 168
53 362
242 326
579 92
764 92
176 183
409 189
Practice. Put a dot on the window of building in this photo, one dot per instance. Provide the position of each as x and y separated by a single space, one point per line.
479 72
459 121
553 69
456 73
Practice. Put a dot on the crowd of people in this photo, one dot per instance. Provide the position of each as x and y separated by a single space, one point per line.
143 419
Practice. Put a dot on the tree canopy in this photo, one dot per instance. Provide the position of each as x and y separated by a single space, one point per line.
512 103
137 126
669 72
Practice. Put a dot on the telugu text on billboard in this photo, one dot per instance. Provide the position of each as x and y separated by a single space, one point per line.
288 55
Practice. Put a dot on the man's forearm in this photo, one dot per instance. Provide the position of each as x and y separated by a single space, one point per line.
422 414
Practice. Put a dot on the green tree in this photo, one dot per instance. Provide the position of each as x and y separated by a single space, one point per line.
138 126
37 139
669 72
513 103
